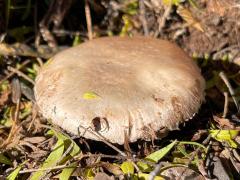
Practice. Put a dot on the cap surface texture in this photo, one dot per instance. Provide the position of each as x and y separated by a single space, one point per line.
137 86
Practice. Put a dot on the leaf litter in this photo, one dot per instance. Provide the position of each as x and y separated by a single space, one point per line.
32 147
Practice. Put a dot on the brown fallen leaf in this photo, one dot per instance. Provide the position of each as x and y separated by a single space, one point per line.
223 122
34 140
181 173
114 169
187 16
38 154
103 176
198 135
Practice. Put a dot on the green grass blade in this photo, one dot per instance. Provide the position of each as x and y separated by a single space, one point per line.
14 174
155 157
52 159
67 172
5 160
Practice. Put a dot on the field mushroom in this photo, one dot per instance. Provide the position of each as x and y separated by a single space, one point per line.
120 87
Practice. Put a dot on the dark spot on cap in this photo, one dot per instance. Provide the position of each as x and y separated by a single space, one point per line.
96 124
100 123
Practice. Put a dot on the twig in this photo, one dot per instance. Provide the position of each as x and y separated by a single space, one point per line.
226 102
53 17
120 157
19 73
136 167
63 32
34 116
231 90
2 37
202 169
46 169
82 156
88 20
155 172
224 50
236 155
233 159
143 17
103 139
196 152
40 62
179 33
16 98
12 73
162 20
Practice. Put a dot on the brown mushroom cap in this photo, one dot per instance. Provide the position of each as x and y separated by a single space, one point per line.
138 86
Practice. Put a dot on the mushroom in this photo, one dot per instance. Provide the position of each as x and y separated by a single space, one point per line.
119 87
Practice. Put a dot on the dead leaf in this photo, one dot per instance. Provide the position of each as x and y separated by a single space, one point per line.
101 176
198 135
38 154
223 122
114 169
187 16
34 140
185 173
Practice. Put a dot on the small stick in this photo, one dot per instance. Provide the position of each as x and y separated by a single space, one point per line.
233 159
202 169
143 17
82 156
12 73
226 102
34 116
19 73
136 167
231 90
162 20
119 157
40 62
63 32
103 139
155 172
236 155
16 98
88 20
47 169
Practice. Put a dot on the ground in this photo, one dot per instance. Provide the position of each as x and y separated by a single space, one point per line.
206 147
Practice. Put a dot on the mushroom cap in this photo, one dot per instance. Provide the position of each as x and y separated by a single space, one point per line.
120 87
